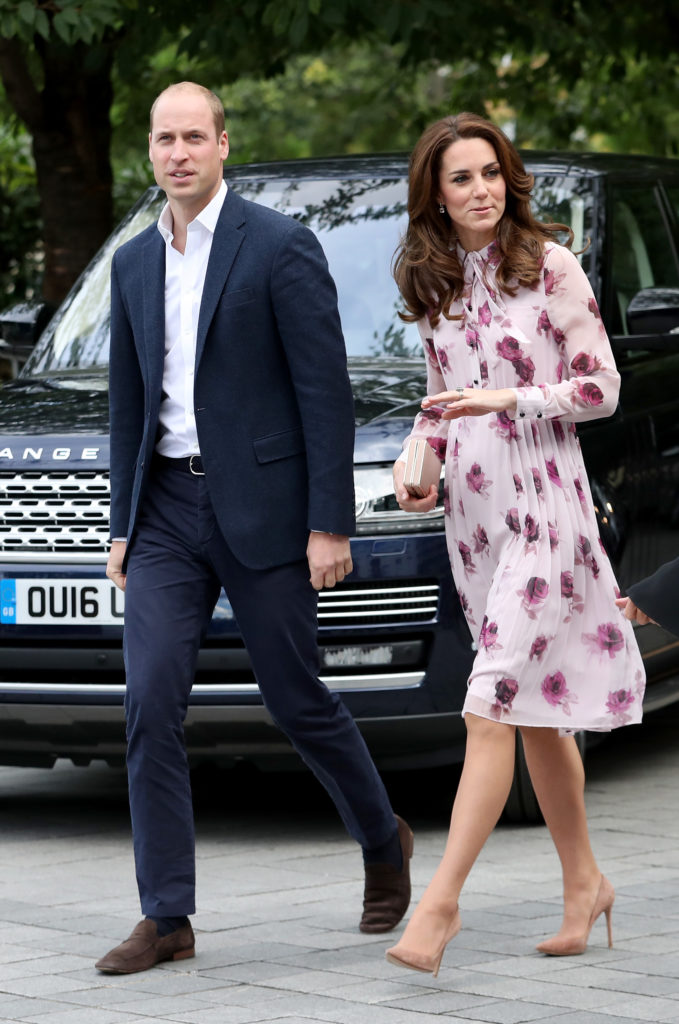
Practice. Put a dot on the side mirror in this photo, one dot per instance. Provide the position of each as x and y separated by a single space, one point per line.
24 322
654 311
20 327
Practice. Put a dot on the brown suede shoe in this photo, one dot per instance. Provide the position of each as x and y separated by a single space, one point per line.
145 949
387 890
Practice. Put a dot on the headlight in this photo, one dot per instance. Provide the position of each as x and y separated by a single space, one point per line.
377 510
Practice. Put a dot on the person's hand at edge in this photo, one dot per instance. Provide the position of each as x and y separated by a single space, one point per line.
329 557
631 612
114 566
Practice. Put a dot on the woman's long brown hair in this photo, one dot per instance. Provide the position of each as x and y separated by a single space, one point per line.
427 269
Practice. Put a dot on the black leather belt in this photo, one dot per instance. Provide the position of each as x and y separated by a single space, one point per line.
190 464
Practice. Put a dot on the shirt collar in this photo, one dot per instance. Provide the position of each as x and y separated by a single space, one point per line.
208 216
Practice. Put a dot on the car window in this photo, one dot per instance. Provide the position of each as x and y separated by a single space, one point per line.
567 199
642 254
358 221
673 195
77 336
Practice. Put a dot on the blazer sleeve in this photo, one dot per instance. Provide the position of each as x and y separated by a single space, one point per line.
304 300
658 596
126 409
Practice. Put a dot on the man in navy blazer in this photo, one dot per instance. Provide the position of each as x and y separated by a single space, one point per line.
231 465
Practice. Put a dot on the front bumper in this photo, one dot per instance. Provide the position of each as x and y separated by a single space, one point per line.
399 662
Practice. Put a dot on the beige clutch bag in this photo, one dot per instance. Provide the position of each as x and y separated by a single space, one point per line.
423 468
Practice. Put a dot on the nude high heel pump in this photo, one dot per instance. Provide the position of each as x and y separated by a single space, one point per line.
420 961
603 904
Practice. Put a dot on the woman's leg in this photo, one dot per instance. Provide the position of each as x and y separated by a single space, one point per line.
481 795
558 778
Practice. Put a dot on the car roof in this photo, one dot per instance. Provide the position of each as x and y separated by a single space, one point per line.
395 165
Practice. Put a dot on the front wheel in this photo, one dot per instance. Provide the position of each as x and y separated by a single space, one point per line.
522 804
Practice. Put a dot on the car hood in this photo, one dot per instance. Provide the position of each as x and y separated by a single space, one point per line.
54 405
54 423
387 395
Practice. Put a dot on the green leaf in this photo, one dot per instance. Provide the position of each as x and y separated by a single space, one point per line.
42 24
86 29
69 15
27 11
8 25
298 29
390 21
269 15
62 28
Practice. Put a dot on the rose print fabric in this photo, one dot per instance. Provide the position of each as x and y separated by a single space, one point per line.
534 581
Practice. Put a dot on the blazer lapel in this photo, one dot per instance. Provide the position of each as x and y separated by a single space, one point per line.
153 276
226 242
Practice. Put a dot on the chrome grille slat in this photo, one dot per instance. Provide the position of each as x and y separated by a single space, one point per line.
348 590
337 604
394 602
53 511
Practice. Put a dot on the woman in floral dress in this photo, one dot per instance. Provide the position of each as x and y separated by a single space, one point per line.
516 355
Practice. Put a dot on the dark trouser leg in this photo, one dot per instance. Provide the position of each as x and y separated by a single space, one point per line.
276 614
169 598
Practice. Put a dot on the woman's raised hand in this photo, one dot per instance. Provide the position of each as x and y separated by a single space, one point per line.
472 401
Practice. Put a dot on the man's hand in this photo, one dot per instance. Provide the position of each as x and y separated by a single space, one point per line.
114 566
406 500
631 612
329 556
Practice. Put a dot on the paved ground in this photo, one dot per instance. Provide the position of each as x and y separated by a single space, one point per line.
279 895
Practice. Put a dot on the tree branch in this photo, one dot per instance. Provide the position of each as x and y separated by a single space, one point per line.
18 83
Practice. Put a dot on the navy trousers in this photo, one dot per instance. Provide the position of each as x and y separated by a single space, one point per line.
178 563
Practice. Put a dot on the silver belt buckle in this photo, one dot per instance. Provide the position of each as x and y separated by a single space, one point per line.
196 472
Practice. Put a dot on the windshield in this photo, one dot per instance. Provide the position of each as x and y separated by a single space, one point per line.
358 222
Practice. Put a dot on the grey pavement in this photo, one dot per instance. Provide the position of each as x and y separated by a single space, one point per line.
279 892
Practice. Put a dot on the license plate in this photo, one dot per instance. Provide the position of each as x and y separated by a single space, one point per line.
92 602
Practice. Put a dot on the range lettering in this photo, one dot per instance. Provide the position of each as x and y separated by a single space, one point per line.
60 454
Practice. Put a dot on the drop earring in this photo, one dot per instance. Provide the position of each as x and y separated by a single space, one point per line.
442 208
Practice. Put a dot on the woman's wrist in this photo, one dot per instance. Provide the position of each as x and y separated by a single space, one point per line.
510 397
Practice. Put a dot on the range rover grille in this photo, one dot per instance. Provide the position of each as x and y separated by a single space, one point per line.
386 603
61 510
65 510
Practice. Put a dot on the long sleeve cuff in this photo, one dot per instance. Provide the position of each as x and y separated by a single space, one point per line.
530 403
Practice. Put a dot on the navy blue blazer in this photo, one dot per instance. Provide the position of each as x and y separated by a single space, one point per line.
273 402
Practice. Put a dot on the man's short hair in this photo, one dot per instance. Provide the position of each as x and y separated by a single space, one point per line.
213 101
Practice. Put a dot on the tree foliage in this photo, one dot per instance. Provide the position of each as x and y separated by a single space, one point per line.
20 251
303 77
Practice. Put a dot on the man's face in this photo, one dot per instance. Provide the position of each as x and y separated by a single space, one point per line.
186 154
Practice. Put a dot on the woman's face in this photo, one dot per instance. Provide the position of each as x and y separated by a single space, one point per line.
472 189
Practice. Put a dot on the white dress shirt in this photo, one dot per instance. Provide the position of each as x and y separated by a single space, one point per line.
184 280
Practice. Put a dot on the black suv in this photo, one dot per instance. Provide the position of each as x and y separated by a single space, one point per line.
392 637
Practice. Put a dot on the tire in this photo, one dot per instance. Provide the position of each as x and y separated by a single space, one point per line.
522 805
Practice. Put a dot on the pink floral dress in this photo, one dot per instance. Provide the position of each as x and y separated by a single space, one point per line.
534 580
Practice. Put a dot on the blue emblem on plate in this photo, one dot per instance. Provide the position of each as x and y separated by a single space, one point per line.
8 601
